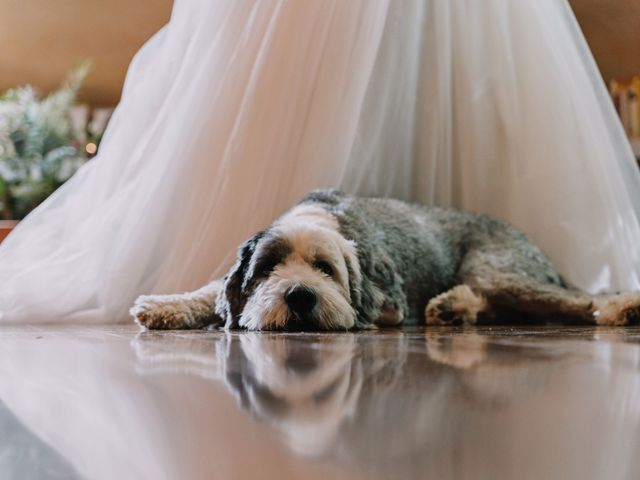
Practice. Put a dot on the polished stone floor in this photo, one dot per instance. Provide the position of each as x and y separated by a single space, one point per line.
438 403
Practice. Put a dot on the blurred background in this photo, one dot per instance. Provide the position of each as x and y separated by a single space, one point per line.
43 39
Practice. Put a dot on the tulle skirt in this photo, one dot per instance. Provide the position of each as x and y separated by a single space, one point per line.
236 109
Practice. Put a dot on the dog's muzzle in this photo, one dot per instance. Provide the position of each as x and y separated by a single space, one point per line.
301 301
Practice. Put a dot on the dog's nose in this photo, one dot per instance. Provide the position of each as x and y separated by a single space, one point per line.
301 300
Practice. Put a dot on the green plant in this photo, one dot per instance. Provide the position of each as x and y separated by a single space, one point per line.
41 146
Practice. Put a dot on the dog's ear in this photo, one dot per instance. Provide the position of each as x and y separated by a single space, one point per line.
374 286
359 289
362 290
232 298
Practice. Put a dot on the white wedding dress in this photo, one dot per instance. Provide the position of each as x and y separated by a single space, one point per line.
237 108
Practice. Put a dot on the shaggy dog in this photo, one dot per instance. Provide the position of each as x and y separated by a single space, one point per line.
337 262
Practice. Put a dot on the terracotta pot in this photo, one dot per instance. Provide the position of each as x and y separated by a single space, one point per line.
5 227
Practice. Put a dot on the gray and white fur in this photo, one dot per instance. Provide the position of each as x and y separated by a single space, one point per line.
337 262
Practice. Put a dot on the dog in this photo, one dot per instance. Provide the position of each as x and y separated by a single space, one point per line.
340 262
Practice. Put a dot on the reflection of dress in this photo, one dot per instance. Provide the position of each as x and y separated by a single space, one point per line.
235 109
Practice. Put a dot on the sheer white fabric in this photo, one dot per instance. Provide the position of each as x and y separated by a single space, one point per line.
236 109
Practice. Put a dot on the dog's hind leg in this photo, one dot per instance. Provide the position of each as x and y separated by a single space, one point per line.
499 288
178 312
553 302
547 301
516 293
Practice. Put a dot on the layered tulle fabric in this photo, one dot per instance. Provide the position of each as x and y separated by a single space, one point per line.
236 109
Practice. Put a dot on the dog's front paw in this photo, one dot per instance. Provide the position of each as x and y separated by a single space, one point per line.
457 306
622 309
163 312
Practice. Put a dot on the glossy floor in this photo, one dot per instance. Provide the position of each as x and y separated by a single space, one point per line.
113 403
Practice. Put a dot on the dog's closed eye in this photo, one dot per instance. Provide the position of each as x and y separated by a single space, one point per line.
324 266
269 255
266 267
261 271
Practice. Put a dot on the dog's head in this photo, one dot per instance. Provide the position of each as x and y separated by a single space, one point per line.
306 387
300 274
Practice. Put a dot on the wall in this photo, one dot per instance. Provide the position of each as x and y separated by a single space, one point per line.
41 39
612 28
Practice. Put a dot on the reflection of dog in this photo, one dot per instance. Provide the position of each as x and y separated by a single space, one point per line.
306 387
338 262
372 395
